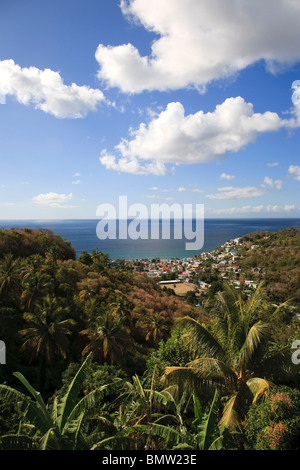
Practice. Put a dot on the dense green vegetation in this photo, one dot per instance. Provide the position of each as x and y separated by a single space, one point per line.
279 254
120 363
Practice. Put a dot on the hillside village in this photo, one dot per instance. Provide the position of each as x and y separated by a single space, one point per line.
223 263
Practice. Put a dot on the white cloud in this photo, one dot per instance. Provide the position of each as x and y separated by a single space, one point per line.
276 208
289 207
272 164
227 177
46 90
76 175
53 200
76 182
201 41
276 184
181 190
238 210
237 193
8 204
294 170
173 137
131 165
253 209
162 190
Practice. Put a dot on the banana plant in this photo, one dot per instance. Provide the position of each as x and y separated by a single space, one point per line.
55 427
203 434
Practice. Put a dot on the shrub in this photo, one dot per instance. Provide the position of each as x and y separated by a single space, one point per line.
274 424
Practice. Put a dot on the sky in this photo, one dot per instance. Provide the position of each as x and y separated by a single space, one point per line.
165 102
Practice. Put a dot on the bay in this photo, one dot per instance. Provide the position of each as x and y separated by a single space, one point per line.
83 237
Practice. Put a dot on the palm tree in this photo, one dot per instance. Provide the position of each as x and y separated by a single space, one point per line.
35 287
47 333
10 276
158 327
88 292
55 427
227 358
33 264
109 339
99 257
53 254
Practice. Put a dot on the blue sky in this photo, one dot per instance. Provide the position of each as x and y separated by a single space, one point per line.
177 101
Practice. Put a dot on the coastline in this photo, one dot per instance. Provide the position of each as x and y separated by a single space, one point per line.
82 235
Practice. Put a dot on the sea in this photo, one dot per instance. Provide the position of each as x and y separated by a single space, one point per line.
82 233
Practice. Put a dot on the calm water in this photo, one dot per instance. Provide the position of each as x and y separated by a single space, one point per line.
82 235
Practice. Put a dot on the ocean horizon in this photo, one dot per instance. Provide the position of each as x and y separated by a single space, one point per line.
81 233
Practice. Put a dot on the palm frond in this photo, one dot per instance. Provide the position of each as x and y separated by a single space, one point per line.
199 339
213 372
257 334
254 305
258 387
231 415
183 377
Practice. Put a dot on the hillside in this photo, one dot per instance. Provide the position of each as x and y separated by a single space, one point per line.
134 365
275 258
26 242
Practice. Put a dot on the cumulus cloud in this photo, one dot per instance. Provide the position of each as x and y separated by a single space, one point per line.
199 42
131 165
224 176
276 184
294 171
232 193
173 137
272 164
45 89
53 200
